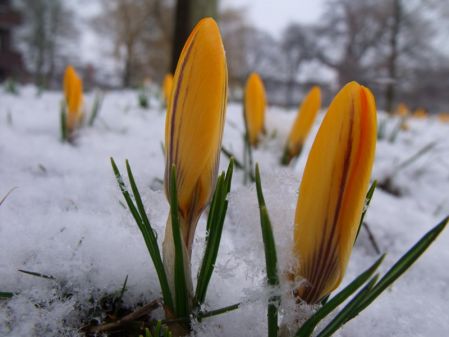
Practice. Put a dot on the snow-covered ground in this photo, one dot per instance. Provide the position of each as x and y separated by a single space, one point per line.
65 219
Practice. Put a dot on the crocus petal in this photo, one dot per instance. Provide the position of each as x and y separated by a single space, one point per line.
73 92
332 191
195 121
255 104
167 87
69 74
303 122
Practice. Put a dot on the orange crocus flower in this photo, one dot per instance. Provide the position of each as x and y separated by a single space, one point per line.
307 113
255 105
193 131
73 93
332 192
167 87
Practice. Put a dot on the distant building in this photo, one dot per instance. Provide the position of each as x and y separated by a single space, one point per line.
11 64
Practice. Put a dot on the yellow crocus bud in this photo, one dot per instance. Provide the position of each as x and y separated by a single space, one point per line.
443 117
420 113
73 92
302 124
194 128
167 87
255 104
332 192
402 110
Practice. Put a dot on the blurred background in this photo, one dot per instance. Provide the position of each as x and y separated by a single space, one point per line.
398 48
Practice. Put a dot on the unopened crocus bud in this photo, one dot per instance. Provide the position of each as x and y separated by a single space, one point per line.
443 117
302 125
167 87
420 113
255 105
73 93
194 128
402 110
332 192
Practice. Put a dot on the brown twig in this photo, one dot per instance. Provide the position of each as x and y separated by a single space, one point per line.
136 314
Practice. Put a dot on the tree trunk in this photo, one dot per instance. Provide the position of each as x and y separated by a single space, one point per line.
188 13
128 65
55 26
201 9
182 30
39 67
390 92
39 44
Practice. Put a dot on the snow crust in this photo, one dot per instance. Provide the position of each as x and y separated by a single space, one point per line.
65 219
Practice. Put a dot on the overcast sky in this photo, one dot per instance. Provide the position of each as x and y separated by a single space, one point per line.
274 15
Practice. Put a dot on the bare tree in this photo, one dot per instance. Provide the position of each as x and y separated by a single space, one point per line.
381 43
124 21
298 47
247 48
49 27
349 37
233 29
140 35
410 48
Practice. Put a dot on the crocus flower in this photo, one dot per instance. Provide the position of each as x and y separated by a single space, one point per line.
332 191
402 110
443 117
194 128
420 113
73 92
255 104
167 87
302 124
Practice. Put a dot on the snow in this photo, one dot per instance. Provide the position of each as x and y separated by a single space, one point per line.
65 219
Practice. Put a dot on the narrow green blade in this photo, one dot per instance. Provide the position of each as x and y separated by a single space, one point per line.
208 259
372 290
126 194
231 156
2 200
414 157
157 329
150 237
267 233
4 295
147 231
346 312
181 295
220 311
369 196
270 258
308 327
120 295
32 273
215 222
402 264
96 108
203 314
63 124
